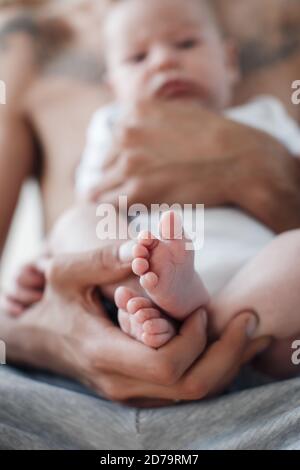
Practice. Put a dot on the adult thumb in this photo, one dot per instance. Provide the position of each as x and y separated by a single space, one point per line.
109 264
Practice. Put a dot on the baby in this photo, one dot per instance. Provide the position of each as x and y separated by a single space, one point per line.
174 50
171 50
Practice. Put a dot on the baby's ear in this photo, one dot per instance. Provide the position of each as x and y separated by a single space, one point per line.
232 61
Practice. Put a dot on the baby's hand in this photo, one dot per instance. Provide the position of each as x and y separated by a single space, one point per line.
27 289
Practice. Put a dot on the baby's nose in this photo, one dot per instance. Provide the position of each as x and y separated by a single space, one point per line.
165 58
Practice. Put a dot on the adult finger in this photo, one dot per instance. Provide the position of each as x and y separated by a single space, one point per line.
223 357
112 179
129 165
188 345
108 264
135 189
256 347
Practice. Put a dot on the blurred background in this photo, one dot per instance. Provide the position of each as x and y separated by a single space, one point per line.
26 233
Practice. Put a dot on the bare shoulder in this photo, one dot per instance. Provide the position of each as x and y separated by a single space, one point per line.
27 45
50 33
17 57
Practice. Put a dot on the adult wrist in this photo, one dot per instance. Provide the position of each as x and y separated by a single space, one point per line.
9 334
28 344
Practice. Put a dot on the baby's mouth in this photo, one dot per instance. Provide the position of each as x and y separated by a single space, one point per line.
175 88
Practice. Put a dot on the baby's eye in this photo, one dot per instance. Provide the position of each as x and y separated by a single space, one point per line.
138 58
187 43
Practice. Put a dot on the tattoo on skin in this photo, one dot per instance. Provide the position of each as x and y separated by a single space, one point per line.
54 55
256 55
22 24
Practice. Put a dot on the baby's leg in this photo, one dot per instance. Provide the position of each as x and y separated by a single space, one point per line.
269 285
76 231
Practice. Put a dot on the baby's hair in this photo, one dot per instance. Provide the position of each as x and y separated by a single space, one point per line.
209 4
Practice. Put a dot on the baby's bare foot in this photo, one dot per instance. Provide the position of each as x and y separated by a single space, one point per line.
139 318
166 269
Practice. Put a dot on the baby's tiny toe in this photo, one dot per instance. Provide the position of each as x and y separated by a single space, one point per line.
147 239
144 237
138 303
140 266
145 314
171 226
157 326
149 281
140 251
156 341
122 296
124 321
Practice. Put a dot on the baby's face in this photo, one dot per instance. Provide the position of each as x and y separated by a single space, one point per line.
167 49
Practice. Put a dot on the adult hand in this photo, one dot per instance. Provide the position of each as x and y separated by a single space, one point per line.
162 147
69 333
208 376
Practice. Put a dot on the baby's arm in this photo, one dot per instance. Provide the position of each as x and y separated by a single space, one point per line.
270 286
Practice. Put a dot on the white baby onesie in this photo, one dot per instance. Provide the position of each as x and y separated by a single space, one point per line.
231 237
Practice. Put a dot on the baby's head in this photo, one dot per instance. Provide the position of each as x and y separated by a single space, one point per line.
168 49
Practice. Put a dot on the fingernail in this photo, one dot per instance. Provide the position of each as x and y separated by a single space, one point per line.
252 325
125 251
